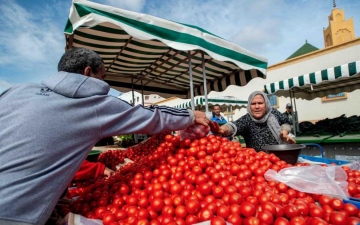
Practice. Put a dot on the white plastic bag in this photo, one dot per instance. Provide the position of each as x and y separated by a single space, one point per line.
330 180
194 131
75 219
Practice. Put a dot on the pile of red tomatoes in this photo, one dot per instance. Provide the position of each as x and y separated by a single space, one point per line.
209 179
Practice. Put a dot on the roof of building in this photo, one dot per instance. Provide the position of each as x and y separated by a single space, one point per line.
306 48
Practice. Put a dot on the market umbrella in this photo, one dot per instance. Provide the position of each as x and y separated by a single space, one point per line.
333 80
226 103
343 78
154 55
222 101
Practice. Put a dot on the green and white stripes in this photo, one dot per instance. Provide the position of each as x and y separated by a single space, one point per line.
155 51
200 101
343 78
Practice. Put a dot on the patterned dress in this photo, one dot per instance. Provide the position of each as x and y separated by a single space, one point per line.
257 135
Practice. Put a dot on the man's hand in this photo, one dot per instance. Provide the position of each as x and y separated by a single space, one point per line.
200 118
284 135
108 172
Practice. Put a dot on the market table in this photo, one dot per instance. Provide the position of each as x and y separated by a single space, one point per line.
343 146
318 139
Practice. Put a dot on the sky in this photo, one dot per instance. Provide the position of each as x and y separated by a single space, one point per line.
32 39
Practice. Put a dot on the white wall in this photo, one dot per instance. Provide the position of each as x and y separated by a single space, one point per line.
128 96
307 110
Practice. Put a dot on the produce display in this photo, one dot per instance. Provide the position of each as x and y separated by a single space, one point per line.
173 181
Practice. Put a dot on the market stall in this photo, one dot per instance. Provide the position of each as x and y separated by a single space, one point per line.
227 103
342 78
153 55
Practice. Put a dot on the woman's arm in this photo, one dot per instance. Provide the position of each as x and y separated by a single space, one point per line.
285 127
233 128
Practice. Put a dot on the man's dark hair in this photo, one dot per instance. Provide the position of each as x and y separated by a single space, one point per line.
76 60
216 105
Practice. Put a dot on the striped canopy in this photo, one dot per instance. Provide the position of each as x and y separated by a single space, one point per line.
200 101
343 78
151 54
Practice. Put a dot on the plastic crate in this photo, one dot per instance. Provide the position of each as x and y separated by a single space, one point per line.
324 160
321 159
354 201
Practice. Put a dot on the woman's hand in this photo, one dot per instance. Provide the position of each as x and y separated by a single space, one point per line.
217 130
284 135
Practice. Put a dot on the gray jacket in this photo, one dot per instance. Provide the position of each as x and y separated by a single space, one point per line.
48 129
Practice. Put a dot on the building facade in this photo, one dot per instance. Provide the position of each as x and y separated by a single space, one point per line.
341 47
138 99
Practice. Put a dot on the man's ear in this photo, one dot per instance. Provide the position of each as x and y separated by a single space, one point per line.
87 71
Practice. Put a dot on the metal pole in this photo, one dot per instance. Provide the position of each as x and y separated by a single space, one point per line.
132 89
296 121
133 104
293 114
191 83
142 92
204 82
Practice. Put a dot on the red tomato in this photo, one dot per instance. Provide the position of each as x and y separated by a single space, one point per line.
217 221
168 210
157 204
235 198
247 209
108 218
353 220
324 200
298 220
316 211
205 214
223 211
251 221
192 206
270 207
350 209
180 211
336 204
281 221
303 209
191 219
291 211
338 218
235 219
265 217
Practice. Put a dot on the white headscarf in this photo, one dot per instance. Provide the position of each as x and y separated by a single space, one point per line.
269 118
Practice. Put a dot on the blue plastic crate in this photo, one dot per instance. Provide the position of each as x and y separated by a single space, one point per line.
324 160
354 201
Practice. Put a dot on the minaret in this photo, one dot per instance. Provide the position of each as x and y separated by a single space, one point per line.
339 30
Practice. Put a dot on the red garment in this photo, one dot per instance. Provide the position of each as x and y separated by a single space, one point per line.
89 170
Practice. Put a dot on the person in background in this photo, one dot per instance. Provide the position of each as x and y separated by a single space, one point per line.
217 117
48 129
262 125
289 114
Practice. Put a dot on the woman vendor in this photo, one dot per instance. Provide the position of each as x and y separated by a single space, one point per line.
262 125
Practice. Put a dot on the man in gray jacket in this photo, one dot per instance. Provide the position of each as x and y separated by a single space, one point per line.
48 129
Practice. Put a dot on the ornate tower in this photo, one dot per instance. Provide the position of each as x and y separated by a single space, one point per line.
339 30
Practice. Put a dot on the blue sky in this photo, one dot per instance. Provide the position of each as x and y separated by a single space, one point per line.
32 39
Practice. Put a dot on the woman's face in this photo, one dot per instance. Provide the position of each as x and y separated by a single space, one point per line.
258 107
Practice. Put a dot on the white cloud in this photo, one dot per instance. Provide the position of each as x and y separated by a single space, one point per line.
272 29
28 38
132 5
